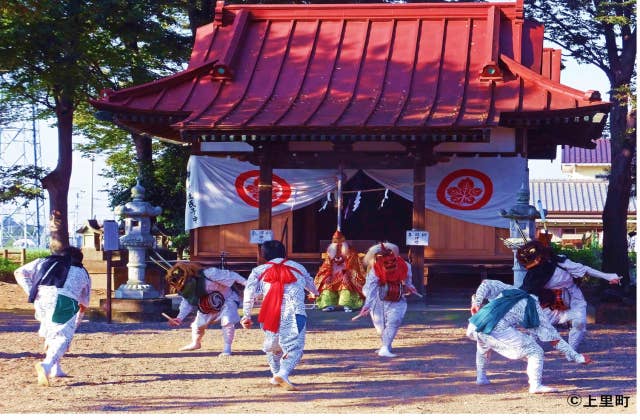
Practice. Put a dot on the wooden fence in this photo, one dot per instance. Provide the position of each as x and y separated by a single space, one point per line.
15 256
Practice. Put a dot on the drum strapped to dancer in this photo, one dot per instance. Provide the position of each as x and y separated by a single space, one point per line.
565 302
388 282
187 279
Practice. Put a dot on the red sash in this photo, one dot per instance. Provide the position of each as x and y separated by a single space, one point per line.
277 275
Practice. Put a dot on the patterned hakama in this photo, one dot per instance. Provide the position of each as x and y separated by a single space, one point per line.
283 348
57 336
216 280
509 341
387 316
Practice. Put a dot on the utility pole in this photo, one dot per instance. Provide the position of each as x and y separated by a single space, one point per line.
92 215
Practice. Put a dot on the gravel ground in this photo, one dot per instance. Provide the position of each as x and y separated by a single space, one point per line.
136 368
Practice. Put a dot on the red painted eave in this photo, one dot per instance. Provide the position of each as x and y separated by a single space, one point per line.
357 68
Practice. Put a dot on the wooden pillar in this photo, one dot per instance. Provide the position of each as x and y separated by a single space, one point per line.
418 223
265 188
264 194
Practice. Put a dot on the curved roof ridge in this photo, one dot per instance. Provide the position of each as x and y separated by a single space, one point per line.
590 96
157 85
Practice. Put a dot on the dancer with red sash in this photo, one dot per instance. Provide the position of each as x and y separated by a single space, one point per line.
387 284
282 315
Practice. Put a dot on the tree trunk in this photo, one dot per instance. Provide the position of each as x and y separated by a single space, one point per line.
57 182
615 257
144 157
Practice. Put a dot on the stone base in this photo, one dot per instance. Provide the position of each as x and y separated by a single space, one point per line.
615 313
136 310
136 291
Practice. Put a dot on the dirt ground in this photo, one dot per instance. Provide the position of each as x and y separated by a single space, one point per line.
136 368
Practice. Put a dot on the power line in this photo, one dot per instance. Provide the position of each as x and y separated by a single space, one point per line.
21 221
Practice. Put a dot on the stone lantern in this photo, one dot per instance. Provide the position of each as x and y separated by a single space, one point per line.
137 238
522 218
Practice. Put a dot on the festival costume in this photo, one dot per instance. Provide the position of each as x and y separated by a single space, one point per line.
388 277
212 295
59 313
497 327
557 273
282 314
340 278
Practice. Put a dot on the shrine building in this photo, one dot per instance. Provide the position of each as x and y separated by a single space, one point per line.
421 116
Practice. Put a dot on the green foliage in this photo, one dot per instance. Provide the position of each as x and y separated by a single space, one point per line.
37 253
591 256
56 54
168 188
7 267
581 27
19 183
155 38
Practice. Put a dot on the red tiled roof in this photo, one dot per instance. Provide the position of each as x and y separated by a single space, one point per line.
355 68
598 156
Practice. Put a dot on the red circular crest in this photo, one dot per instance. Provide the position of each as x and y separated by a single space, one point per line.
247 186
465 189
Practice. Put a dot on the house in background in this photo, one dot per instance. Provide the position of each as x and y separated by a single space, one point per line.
574 206
580 163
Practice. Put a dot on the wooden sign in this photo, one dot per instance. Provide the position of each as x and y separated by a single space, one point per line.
259 236
417 238
111 238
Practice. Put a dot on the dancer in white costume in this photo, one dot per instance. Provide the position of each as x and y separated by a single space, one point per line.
214 293
562 276
494 326
282 314
388 282
59 288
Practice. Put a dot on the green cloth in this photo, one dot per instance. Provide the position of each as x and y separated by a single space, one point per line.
337 299
327 298
350 299
66 308
489 315
194 288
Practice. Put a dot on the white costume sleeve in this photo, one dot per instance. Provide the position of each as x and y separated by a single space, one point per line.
489 290
309 283
409 280
251 291
25 273
370 289
224 277
184 310
562 278
579 270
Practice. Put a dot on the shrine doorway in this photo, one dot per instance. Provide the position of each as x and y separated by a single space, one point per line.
373 219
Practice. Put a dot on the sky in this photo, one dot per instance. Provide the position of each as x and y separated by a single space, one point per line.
87 182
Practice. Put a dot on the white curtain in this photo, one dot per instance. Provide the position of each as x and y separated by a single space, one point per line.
222 191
